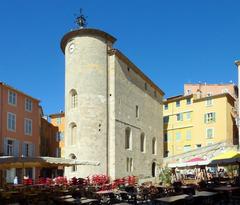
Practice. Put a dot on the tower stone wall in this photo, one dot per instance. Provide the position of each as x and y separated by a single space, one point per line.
108 90
86 73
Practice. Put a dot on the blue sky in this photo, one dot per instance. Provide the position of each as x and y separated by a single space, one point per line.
171 41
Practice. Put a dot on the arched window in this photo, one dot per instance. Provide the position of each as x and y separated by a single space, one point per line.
73 133
142 142
74 167
154 169
73 99
128 138
154 146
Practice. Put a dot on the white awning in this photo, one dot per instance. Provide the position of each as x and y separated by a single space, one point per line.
7 162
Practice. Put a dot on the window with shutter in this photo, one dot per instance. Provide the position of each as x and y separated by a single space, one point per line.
210 117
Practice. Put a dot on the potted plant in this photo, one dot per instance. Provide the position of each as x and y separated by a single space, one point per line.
165 176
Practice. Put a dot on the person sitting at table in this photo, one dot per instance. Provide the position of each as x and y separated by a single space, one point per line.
209 175
15 180
200 176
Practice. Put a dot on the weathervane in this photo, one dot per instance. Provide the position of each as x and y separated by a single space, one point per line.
81 20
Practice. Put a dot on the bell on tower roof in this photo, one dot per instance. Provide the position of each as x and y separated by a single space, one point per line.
81 20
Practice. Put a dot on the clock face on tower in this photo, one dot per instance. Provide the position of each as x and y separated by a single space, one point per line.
71 47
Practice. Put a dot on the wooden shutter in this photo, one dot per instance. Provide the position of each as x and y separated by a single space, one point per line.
5 146
31 150
24 149
16 148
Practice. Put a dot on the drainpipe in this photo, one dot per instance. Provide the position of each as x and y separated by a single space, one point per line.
237 63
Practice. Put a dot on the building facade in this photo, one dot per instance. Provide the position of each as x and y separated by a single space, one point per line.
50 139
205 89
58 120
113 112
193 121
20 125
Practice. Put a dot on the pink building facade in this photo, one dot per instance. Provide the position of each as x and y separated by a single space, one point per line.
205 89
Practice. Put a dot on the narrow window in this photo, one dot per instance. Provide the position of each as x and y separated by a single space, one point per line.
73 133
137 111
128 138
154 169
28 105
26 149
210 117
209 133
178 103
188 101
10 147
154 146
179 117
165 119
208 102
11 121
12 98
142 143
188 135
188 92
188 115
178 136
73 99
165 106
145 86
209 99
131 164
59 120
27 126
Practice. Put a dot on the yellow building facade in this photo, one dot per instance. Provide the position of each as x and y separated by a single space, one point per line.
192 121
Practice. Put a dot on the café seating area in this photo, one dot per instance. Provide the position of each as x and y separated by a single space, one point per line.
99 190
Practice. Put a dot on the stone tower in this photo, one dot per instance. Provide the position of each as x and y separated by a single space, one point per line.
86 99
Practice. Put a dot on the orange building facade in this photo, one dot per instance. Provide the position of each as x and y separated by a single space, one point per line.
58 120
19 130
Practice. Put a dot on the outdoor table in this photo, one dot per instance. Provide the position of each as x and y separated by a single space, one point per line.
64 197
206 197
188 189
204 193
79 201
226 189
170 199
104 192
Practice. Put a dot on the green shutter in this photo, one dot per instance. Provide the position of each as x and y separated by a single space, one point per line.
214 117
205 118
